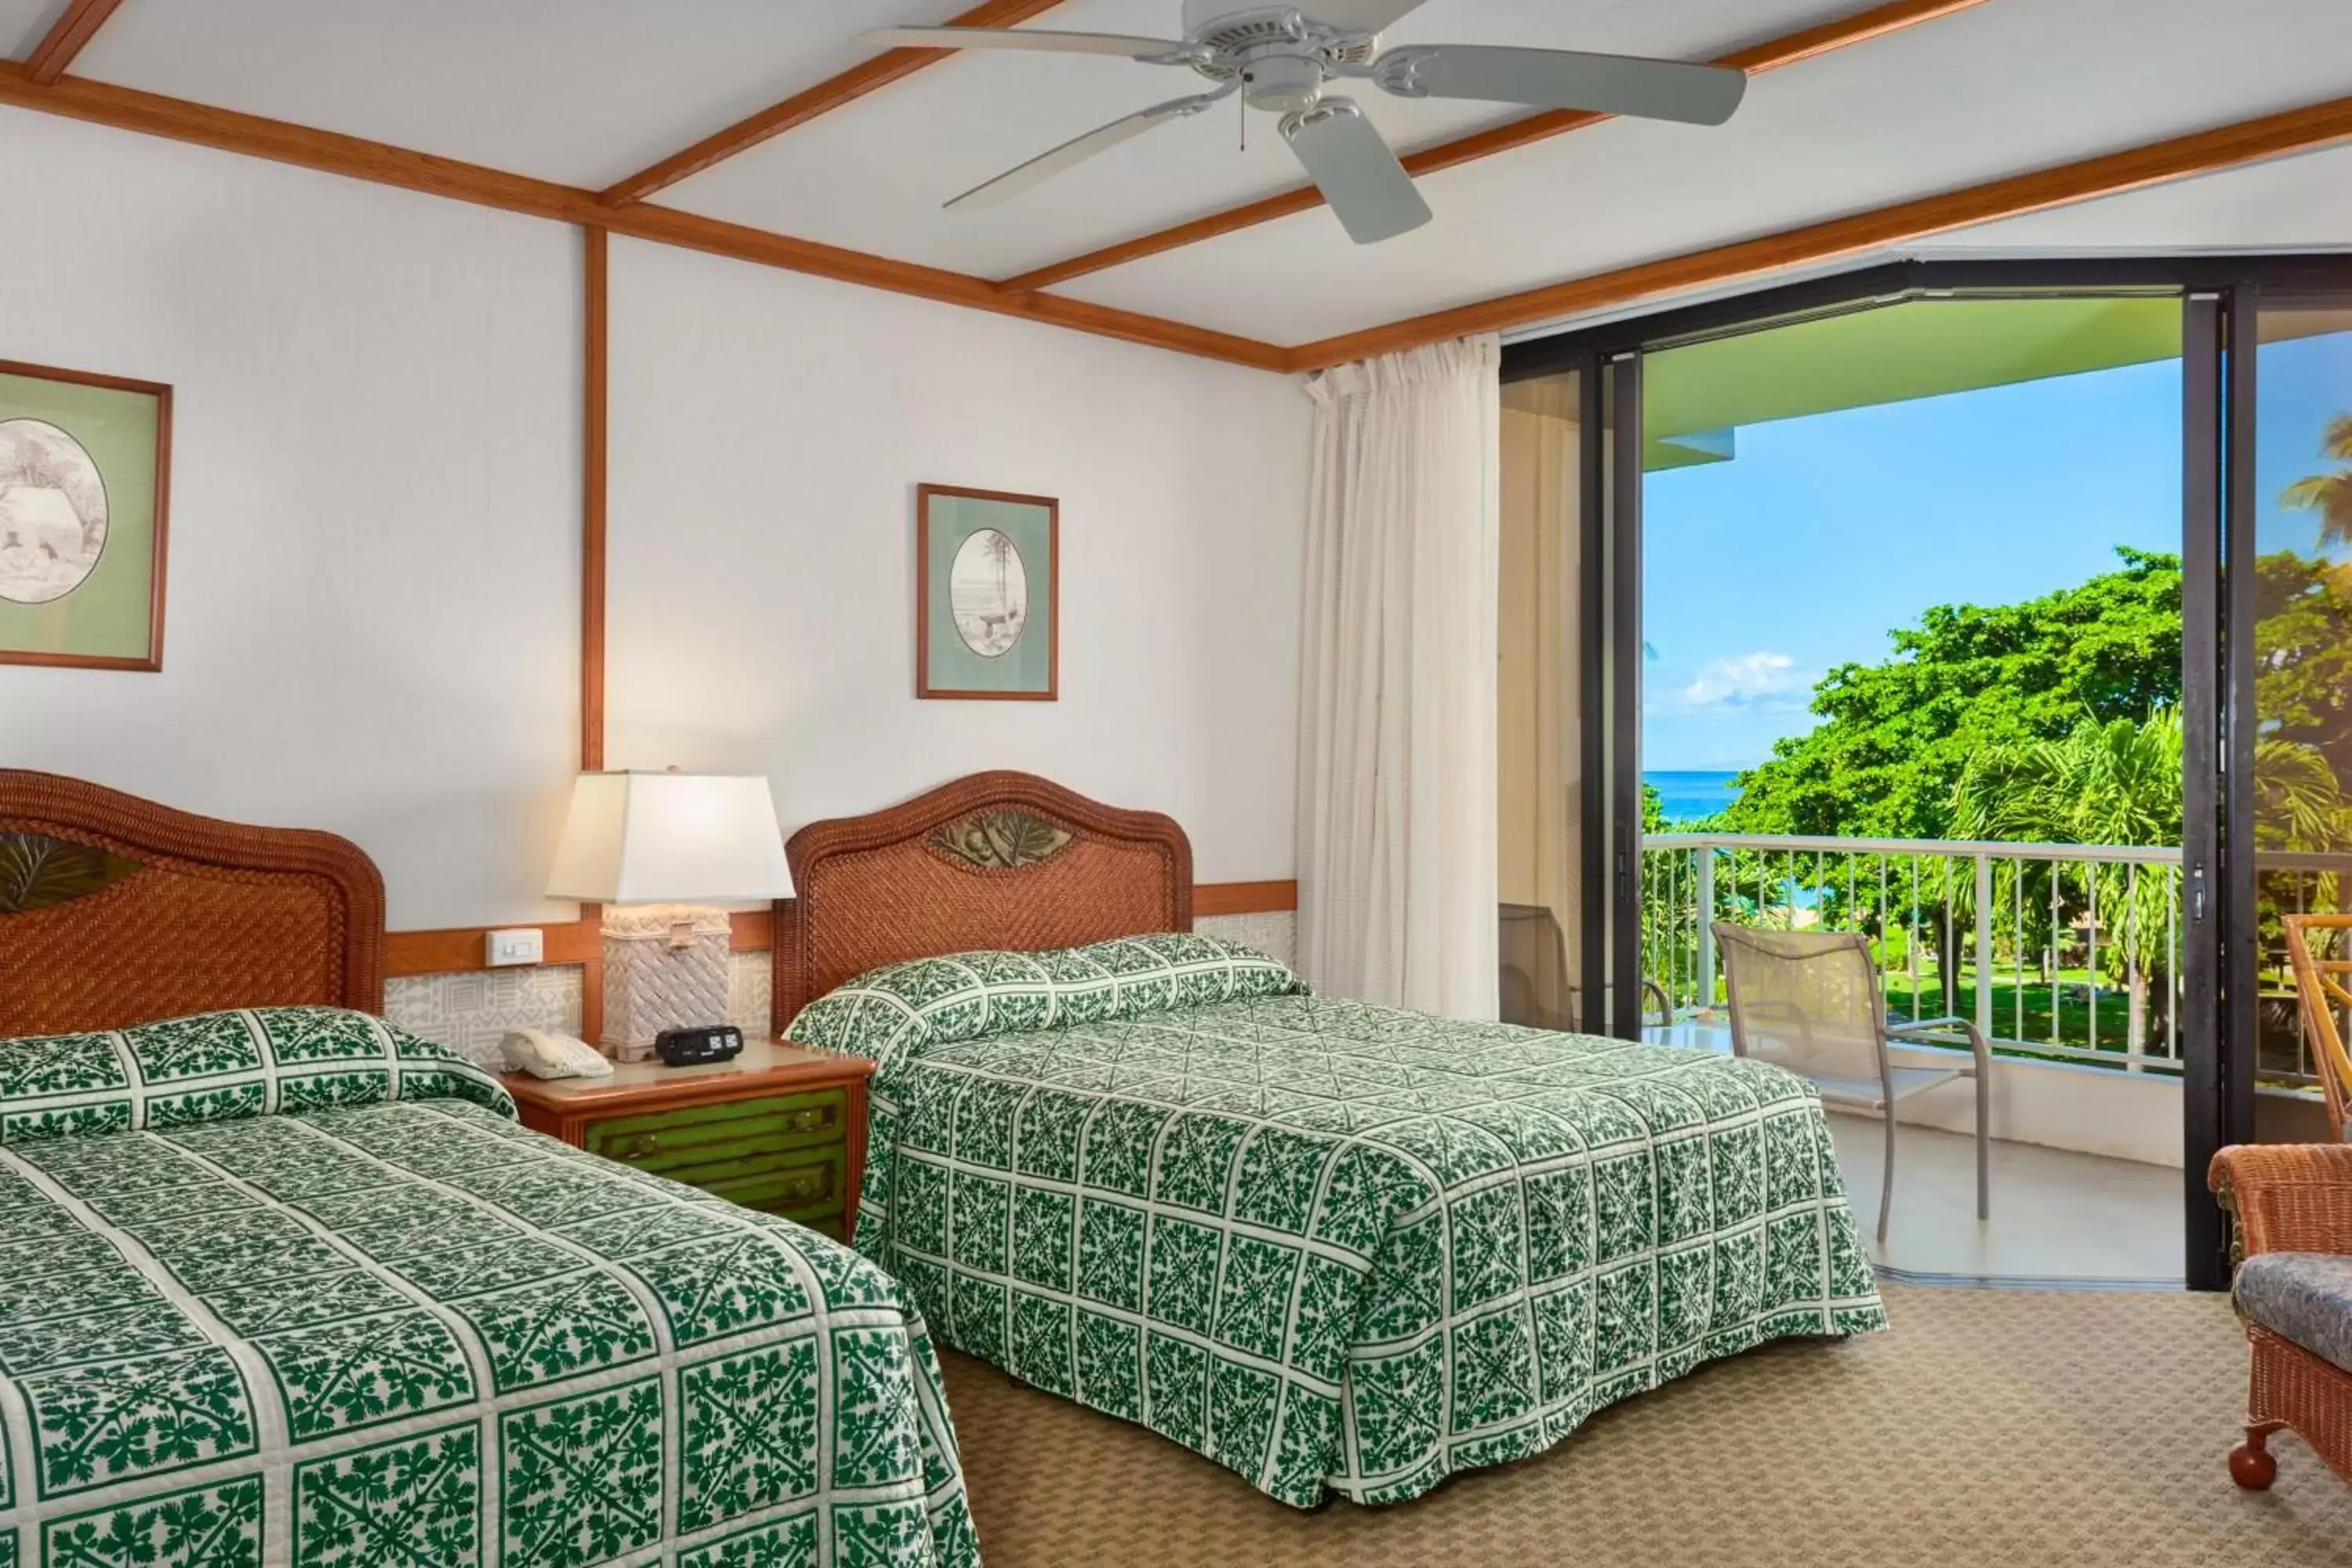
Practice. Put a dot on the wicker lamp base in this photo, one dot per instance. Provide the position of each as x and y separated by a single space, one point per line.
665 968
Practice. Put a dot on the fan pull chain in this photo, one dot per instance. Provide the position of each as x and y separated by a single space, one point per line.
1243 102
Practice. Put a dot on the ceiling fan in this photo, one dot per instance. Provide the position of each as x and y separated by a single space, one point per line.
1281 57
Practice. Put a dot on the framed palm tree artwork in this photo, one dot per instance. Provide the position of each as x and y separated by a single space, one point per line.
85 462
988 575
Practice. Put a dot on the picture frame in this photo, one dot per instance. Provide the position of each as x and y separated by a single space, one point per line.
85 487
988 584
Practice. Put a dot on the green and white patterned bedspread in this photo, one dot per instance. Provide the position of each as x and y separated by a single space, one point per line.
1330 1246
303 1291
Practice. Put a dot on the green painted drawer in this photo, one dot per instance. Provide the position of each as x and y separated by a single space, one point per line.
782 1121
814 1184
784 1154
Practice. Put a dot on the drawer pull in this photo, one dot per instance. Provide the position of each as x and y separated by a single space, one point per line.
643 1144
816 1184
809 1118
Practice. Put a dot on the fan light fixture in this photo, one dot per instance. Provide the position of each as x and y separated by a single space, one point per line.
1281 59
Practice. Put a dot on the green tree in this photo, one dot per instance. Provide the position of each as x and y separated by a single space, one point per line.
2118 782
2112 783
2330 495
2303 653
1893 737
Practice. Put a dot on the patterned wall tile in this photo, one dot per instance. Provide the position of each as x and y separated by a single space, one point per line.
471 1012
1275 935
750 988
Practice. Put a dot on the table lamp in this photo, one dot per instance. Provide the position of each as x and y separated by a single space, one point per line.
657 849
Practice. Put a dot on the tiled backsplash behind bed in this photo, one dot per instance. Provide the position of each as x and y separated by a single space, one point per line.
470 1012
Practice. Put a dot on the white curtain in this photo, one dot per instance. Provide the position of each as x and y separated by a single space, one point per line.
1397 773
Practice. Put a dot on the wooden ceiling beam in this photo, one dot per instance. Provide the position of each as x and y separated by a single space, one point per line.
823 99
2210 151
66 37
129 109
1806 44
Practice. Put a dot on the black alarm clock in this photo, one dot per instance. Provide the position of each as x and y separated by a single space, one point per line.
705 1043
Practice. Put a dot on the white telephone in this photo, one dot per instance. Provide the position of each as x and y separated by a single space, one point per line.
543 1054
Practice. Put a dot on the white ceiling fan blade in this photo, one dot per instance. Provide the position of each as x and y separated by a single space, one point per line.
1124 44
1353 166
1045 165
1565 78
1359 15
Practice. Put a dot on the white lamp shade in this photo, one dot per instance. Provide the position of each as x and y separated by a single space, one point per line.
670 838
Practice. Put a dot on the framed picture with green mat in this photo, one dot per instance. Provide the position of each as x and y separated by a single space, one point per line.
988 578
85 465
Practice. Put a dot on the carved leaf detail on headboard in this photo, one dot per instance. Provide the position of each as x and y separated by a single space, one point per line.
1001 841
38 872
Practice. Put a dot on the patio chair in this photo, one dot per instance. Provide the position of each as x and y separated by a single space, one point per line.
1810 1002
1535 988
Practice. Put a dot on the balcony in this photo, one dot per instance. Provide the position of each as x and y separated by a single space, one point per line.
2068 958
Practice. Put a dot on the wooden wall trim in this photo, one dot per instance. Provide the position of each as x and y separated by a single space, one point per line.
2179 157
691 231
66 37
1787 49
596 377
595 373
251 136
865 77
459 950
1243 898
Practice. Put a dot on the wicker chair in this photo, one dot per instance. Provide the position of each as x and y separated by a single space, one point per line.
2294 1206
1809 1000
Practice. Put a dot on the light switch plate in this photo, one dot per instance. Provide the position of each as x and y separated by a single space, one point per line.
527 945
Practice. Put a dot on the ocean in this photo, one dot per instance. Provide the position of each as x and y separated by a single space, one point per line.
1690 795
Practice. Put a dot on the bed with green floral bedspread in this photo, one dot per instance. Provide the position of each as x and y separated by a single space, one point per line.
1335 1248
292 1287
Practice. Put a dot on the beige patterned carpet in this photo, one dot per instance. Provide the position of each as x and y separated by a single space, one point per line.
2011 1429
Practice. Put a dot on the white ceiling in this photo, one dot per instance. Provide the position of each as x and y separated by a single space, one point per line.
22 23
2288 204
586 91
872 176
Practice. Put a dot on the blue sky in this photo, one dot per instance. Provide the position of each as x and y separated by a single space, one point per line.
1801 552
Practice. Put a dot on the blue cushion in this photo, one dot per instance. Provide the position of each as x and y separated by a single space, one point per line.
2304 1297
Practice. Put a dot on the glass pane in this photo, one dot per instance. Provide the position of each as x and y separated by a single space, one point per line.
2302 688
1537 730
1911 608
1904 567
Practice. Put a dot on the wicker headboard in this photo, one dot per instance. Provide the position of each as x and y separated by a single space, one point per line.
994 860
115 910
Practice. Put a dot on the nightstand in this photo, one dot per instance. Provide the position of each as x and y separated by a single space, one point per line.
779 1128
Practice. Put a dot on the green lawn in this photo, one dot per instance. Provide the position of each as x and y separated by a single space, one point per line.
2035 998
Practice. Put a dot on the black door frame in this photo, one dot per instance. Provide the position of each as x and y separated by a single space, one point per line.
2207 1124
2220 295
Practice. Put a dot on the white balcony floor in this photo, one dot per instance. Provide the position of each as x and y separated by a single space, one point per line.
2056 1215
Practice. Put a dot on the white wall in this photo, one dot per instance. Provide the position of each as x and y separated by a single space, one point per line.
373 575
769 431
374 582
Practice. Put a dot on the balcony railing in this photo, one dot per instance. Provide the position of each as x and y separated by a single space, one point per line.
2067 950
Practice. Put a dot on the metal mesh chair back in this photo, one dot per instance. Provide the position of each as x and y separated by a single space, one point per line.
1808 1001
1534 952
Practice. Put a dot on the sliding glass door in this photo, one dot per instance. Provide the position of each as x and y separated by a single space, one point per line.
2298 681
2077 536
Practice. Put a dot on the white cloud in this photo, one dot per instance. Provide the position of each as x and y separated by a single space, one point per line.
1747 679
